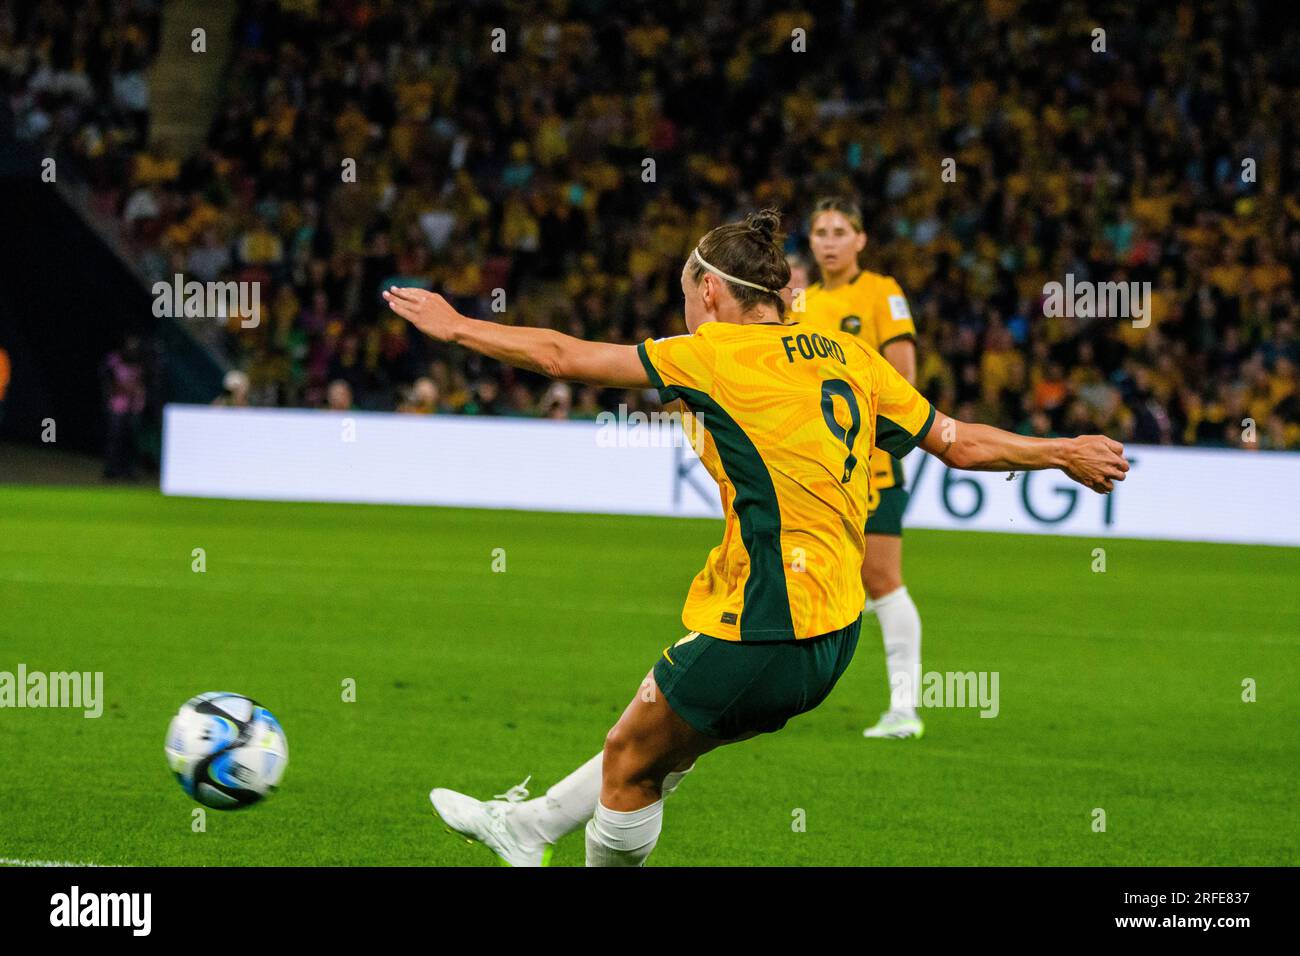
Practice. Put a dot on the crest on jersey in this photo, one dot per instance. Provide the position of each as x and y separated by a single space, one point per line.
851 324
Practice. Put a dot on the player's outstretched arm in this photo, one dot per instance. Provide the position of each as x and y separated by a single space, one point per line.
540 350
1092 460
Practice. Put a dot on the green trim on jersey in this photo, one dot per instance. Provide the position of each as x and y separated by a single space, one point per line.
896 439
905 336
766 612
651 372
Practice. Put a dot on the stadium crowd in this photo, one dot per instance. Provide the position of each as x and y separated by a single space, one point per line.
75 77
551 164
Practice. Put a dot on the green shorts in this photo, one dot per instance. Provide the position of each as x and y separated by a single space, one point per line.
727 689
888 516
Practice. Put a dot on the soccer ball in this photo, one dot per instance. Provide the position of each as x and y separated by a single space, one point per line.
226 750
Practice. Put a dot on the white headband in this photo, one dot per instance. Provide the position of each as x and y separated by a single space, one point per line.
718 272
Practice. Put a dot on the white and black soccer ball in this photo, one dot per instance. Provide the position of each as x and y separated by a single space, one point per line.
227 750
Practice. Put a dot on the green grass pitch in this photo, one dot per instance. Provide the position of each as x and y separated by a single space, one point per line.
1119 690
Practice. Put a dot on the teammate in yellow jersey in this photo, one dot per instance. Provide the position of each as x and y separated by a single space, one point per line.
872 308
789 415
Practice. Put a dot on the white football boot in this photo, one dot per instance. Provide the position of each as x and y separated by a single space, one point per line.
488 822
896 725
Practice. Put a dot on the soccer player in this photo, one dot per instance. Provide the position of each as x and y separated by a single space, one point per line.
787 416
873 308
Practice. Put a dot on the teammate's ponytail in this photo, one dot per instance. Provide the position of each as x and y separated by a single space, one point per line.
748 257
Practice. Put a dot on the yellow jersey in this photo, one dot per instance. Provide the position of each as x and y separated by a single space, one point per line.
782 416
873 308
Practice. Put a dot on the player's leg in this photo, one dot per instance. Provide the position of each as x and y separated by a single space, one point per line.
649 743
523 832
570 803
703 693
900 622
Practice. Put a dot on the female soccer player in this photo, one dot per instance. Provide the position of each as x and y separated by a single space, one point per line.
872 307
789 416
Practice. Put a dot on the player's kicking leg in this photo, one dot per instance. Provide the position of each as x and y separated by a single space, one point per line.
900 622
702 693
523 832
648 744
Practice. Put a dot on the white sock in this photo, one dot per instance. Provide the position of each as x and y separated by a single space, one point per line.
673 779
570 803
900 623
562 809
623 839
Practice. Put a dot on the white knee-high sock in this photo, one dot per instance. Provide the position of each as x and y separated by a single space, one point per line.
623 839
570 803
563 808
900 622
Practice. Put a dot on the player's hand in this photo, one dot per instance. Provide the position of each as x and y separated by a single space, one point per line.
427 311
1095 461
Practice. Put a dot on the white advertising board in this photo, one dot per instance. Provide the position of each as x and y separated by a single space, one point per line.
1189 494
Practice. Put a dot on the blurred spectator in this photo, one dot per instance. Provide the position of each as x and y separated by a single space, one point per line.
485 399
6 371
557 403
421 398
338 398
234 392
125 395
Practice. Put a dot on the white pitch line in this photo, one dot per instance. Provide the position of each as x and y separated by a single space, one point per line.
7 861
